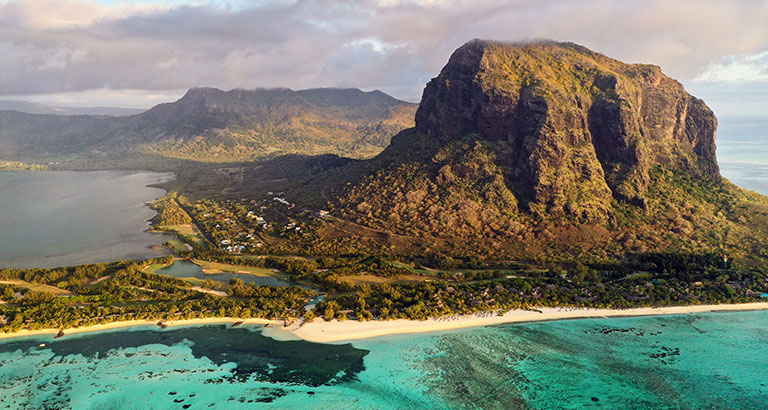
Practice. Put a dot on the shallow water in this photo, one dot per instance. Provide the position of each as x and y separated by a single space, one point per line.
712 360
187 269
60 218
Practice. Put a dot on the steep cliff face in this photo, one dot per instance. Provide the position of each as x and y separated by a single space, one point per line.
573 123
512 135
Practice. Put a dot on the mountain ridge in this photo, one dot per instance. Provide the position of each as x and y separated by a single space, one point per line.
212 125
600 132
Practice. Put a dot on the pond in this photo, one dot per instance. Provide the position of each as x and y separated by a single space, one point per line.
187 269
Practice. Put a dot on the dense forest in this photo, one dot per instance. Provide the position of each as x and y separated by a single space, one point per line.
365 288
101 293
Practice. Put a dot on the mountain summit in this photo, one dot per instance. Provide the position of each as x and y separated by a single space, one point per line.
573 123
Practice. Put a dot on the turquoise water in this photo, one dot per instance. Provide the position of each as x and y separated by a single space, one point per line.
60 218
187 269
713 360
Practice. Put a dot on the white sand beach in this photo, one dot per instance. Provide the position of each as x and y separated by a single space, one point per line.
321 331
327 332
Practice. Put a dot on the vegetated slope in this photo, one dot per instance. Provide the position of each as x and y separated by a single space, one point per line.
553 150
216 126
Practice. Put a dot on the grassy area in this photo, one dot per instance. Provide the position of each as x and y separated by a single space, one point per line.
357 280
367 279
216 267
153 267
184 229
188 230
177 245
37 287
434 272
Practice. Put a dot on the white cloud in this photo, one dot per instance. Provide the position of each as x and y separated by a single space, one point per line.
54 47
127 98
735 69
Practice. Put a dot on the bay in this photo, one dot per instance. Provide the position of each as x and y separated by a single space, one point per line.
61 218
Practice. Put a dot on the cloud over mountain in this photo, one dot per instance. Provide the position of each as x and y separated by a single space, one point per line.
73 46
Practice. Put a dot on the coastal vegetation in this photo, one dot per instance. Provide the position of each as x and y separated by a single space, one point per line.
21 166
101 293
119 291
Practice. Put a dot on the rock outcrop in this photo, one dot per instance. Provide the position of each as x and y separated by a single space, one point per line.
571 120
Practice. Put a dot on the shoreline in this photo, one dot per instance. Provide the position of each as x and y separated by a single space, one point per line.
321 331
134 323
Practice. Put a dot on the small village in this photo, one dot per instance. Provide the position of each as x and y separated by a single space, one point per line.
245 226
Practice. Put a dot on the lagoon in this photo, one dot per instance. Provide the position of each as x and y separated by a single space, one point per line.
61 218
692 361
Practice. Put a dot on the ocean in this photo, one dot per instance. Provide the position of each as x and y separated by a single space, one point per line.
696 361
742 152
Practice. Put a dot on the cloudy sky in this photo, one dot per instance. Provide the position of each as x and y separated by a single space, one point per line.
139 53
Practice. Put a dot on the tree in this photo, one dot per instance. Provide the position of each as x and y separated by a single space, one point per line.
330 310
42 296
309 316
8 293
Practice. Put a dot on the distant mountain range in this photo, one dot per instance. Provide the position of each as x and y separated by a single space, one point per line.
35 108
212 125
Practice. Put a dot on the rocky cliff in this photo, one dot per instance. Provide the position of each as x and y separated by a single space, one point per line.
569 119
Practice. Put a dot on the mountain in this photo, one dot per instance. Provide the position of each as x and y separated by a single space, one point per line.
27 107
553 150
110 111
212 125
35 108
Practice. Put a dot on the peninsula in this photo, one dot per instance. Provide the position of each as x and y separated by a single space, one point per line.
539 181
